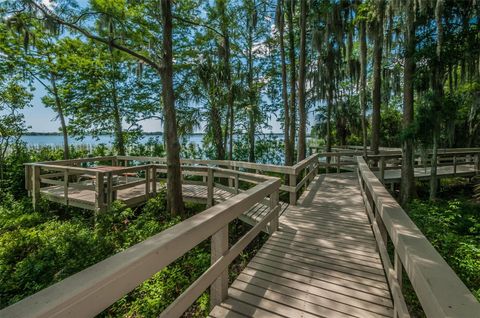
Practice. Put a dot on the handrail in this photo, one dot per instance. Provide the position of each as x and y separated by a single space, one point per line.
295 175
440 291
90 291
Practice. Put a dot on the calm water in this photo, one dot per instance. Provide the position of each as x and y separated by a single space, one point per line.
57 140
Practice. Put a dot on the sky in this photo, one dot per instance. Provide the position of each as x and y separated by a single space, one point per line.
42 119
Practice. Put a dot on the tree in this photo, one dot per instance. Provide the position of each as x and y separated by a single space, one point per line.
13 98
377 73
280 24
363 77
407 184
302 127
160 59
293 76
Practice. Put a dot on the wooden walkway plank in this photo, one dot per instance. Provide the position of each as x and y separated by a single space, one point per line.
322 262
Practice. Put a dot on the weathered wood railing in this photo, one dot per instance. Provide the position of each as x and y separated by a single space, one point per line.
338 160
439 290
133 171
445 157
297 175
92 290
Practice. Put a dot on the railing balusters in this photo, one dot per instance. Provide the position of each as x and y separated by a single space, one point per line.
147 182
154 180
219 246
210 181
99 192
35 186
65 186
292 179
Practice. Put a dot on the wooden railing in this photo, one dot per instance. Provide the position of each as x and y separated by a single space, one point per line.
297 175
439 290
445 157
92 290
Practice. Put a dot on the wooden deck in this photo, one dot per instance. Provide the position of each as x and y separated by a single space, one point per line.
466 170
136 195
322 262
132 196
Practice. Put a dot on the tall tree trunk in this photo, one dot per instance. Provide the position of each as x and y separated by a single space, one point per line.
228 78
293 77
363 82
433 164
230 97
215 120
377 78
407 184
286 109
117 117
174 182
252 100
61 116
438 70
330 92
329 119
119 136
302 128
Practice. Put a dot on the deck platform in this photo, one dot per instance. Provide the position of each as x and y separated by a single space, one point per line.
322 262
465 170
136 195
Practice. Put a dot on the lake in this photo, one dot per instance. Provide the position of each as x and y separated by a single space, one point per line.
57 140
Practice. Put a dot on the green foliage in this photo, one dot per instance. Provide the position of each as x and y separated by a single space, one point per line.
453 228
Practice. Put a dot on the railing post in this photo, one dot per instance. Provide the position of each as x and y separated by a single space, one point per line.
382 169
236 183
454 165
477 164
338 157
65 186
28 179
210 188
154 180
147 182
230 180
219 246
292 180
109 190
99 192
35 186
398 267
273 226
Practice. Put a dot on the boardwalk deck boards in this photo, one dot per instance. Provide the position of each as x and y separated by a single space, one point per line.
321 263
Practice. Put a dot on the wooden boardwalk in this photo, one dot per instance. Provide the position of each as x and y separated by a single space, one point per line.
136 195
464 170
322 262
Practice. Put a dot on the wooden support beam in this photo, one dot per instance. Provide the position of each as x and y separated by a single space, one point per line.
109 190
210 187
154 180
147 183
219 247
382 170
99 192
65 186
292 179
35 186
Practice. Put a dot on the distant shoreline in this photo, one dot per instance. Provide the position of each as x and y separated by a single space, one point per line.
154 133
